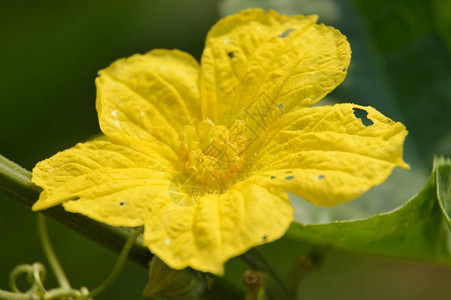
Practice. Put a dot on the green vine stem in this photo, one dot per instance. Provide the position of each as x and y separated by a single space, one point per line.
15 296
36 273
15 181
119 264
50 253
62 293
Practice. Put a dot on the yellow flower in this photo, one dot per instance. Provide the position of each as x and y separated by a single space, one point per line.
202 155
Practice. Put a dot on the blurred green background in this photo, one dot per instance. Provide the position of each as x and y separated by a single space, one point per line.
51 51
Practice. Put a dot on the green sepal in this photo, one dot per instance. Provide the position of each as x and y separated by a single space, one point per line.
168 283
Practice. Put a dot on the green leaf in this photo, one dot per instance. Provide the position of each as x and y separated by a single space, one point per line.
414 231
443 179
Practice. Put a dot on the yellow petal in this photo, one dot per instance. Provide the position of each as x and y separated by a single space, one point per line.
218 227
149 97
330 154
108 182
257 63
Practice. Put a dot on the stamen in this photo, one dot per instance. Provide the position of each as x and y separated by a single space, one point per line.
215 154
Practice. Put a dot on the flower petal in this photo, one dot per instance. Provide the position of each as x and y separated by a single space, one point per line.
330 154
108 182
255 60
149 97
218 227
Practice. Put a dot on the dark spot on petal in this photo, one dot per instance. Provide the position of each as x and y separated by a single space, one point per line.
75 198
273 177
285 33
344 70
321 176
264 238
362 115
122 203
280 106
288 172
231 54
289 177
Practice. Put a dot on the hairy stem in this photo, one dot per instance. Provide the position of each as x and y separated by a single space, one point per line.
15 181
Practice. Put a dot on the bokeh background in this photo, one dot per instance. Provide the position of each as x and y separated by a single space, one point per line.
50 52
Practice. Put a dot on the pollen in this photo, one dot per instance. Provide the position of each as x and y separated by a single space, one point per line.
213 154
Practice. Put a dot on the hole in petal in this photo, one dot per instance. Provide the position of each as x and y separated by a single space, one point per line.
289 177
231 55
122 203
288 172
75 198
273 177
344 70
264 238
285 33
362 115
321 176
280 106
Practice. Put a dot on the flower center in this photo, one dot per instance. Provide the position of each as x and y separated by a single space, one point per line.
214 155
